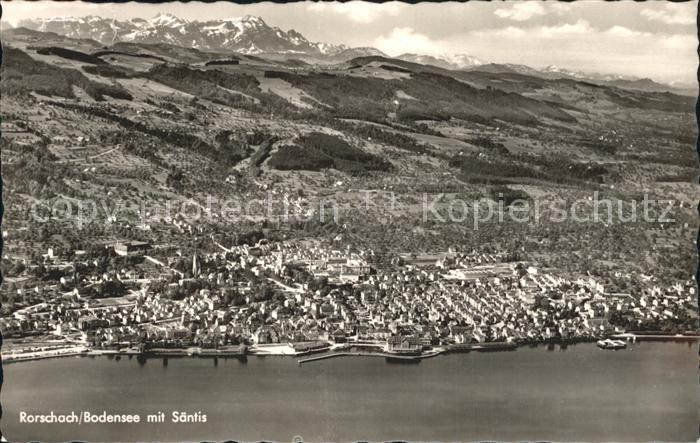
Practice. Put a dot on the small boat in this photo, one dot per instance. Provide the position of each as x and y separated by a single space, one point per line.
611 344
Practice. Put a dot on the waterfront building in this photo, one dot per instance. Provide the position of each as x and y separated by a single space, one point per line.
403 344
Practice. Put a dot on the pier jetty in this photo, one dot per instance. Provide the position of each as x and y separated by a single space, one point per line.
388 355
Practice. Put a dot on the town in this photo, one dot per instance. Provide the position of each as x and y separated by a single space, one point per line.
301 296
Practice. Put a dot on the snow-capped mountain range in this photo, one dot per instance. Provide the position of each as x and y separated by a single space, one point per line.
447 61
253 36
556 70
247 35
553 72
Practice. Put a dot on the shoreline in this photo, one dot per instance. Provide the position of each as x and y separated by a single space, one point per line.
331 351
373 354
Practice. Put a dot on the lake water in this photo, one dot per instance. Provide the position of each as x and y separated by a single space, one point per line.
646 392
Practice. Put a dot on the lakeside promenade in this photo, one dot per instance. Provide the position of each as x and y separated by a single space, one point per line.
69 351
330 351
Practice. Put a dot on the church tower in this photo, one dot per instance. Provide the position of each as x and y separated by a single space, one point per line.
195 265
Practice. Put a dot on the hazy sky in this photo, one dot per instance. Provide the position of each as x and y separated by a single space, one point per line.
656 39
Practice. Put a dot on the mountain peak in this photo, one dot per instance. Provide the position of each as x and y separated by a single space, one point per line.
246 22
165 19
247 34
253 19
